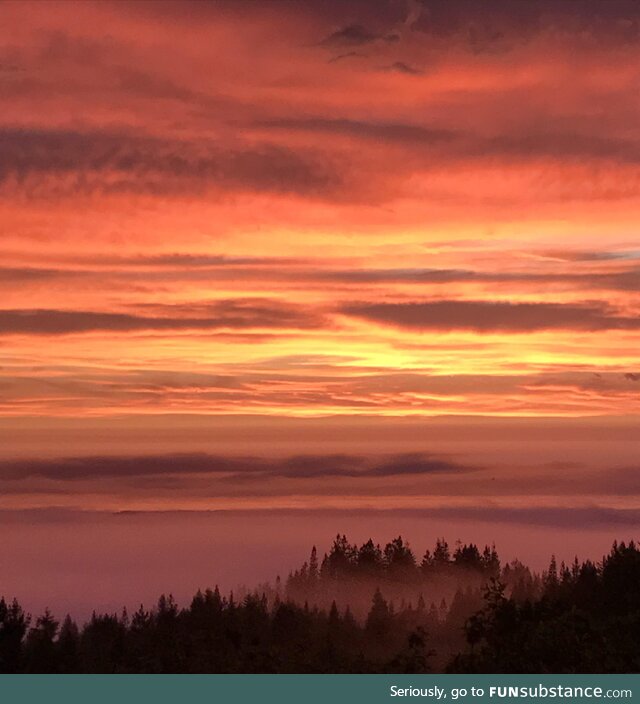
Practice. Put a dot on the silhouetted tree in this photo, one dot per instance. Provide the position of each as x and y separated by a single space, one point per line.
399 559
41 654
68 646
13 626
379 618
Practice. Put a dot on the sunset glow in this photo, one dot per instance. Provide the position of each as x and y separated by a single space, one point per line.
321 255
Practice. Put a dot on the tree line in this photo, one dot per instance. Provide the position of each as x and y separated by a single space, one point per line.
456 610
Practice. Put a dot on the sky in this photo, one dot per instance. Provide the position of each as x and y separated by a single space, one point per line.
320 256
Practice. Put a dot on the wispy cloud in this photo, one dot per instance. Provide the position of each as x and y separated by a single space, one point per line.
225 314
492 316
59 162
298 467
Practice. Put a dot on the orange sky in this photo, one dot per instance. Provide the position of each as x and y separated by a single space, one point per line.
362 229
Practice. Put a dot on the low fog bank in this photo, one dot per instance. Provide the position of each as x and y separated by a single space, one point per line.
75 562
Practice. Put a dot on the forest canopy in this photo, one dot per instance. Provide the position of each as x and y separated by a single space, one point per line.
364 609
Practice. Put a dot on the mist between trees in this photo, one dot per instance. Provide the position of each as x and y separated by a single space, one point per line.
363 609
